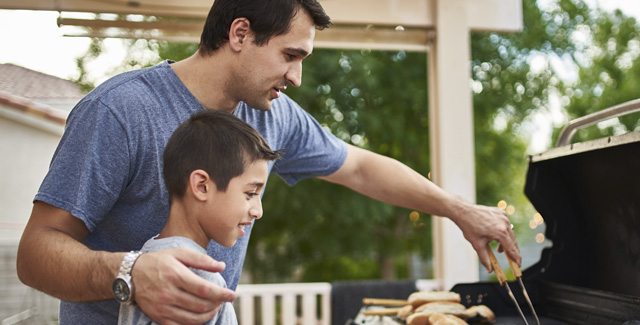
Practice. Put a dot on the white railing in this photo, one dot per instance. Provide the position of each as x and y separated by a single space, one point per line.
282 303
293 303
297 303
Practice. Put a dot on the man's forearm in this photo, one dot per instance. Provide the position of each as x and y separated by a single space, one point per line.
67 270
388 180
58 264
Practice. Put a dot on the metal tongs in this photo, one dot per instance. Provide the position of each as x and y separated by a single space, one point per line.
503 282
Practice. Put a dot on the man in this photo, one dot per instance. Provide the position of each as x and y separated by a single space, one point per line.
104 191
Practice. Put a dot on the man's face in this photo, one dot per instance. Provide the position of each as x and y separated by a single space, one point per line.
266 70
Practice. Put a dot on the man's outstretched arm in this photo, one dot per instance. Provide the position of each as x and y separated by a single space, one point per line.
52 259
390 181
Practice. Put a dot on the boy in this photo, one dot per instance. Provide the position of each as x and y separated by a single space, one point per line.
215 167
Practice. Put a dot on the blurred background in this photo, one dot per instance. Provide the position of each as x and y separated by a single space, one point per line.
572 58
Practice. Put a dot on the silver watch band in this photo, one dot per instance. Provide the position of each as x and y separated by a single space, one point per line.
123 288
128 261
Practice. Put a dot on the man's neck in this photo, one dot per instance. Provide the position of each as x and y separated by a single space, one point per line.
205 77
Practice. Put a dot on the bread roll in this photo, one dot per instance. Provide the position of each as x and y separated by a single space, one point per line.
421 314
443 307
442 319
418 319
434 319
422 297
481 313
404 312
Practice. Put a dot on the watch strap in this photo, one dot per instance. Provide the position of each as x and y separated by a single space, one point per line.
128 261
124 278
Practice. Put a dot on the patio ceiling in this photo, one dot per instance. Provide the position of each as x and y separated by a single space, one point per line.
379 24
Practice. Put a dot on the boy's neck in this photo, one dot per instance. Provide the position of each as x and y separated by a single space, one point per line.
182 223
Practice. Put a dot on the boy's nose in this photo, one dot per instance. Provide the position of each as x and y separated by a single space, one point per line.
256 210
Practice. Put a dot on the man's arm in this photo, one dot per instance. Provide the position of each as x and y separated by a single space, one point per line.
390 181
52 258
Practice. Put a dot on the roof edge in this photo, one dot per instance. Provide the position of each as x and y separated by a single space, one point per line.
31 107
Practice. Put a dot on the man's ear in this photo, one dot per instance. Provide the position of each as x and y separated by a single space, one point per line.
200 184
239 32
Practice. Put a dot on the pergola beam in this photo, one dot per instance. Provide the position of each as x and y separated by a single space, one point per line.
484 15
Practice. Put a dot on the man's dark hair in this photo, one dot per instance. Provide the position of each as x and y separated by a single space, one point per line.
218 143
268 18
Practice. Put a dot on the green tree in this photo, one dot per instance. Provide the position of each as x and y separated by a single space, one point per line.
372 100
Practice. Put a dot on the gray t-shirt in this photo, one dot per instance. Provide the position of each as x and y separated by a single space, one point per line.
132 315
107 169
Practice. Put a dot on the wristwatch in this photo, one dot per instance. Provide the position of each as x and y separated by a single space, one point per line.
122 285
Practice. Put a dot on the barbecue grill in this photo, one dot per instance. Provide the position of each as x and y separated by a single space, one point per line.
589 196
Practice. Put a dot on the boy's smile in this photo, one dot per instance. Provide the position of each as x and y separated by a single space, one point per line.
228 213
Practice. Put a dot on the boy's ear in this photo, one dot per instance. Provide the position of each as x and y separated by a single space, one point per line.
200 184
239 32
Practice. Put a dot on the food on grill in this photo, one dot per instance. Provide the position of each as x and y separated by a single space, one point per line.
430 308
419 298
443 307
384 302
442 319
404 312
480 314
382 311
422 313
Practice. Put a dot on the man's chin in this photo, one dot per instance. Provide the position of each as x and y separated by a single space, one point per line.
265 106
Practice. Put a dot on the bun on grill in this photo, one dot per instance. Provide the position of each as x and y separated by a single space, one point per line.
419 298
442 319
434 319
405 312
423 313
443 307
481 314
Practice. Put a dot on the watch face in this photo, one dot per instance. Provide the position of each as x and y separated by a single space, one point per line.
121 290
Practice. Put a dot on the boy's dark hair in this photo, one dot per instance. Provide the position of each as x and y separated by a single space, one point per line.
215 141
268 18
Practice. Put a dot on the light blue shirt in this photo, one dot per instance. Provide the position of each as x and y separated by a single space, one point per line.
132 315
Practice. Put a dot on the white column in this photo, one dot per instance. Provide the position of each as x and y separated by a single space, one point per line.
451 137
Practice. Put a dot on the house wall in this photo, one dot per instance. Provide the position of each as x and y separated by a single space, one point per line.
27 143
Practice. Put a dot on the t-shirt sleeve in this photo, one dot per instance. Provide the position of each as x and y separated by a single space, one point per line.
310 150
90 166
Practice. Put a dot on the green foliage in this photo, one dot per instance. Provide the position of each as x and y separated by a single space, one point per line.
376 100
94 51
609 73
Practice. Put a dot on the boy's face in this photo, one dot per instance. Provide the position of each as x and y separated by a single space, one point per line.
230 211
266 70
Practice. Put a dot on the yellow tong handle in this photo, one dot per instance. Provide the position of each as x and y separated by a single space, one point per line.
515 269
499 272
496 268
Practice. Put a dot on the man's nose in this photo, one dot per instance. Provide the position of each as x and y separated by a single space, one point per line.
294 75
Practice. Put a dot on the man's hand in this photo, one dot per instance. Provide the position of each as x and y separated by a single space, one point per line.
170 293
481 224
